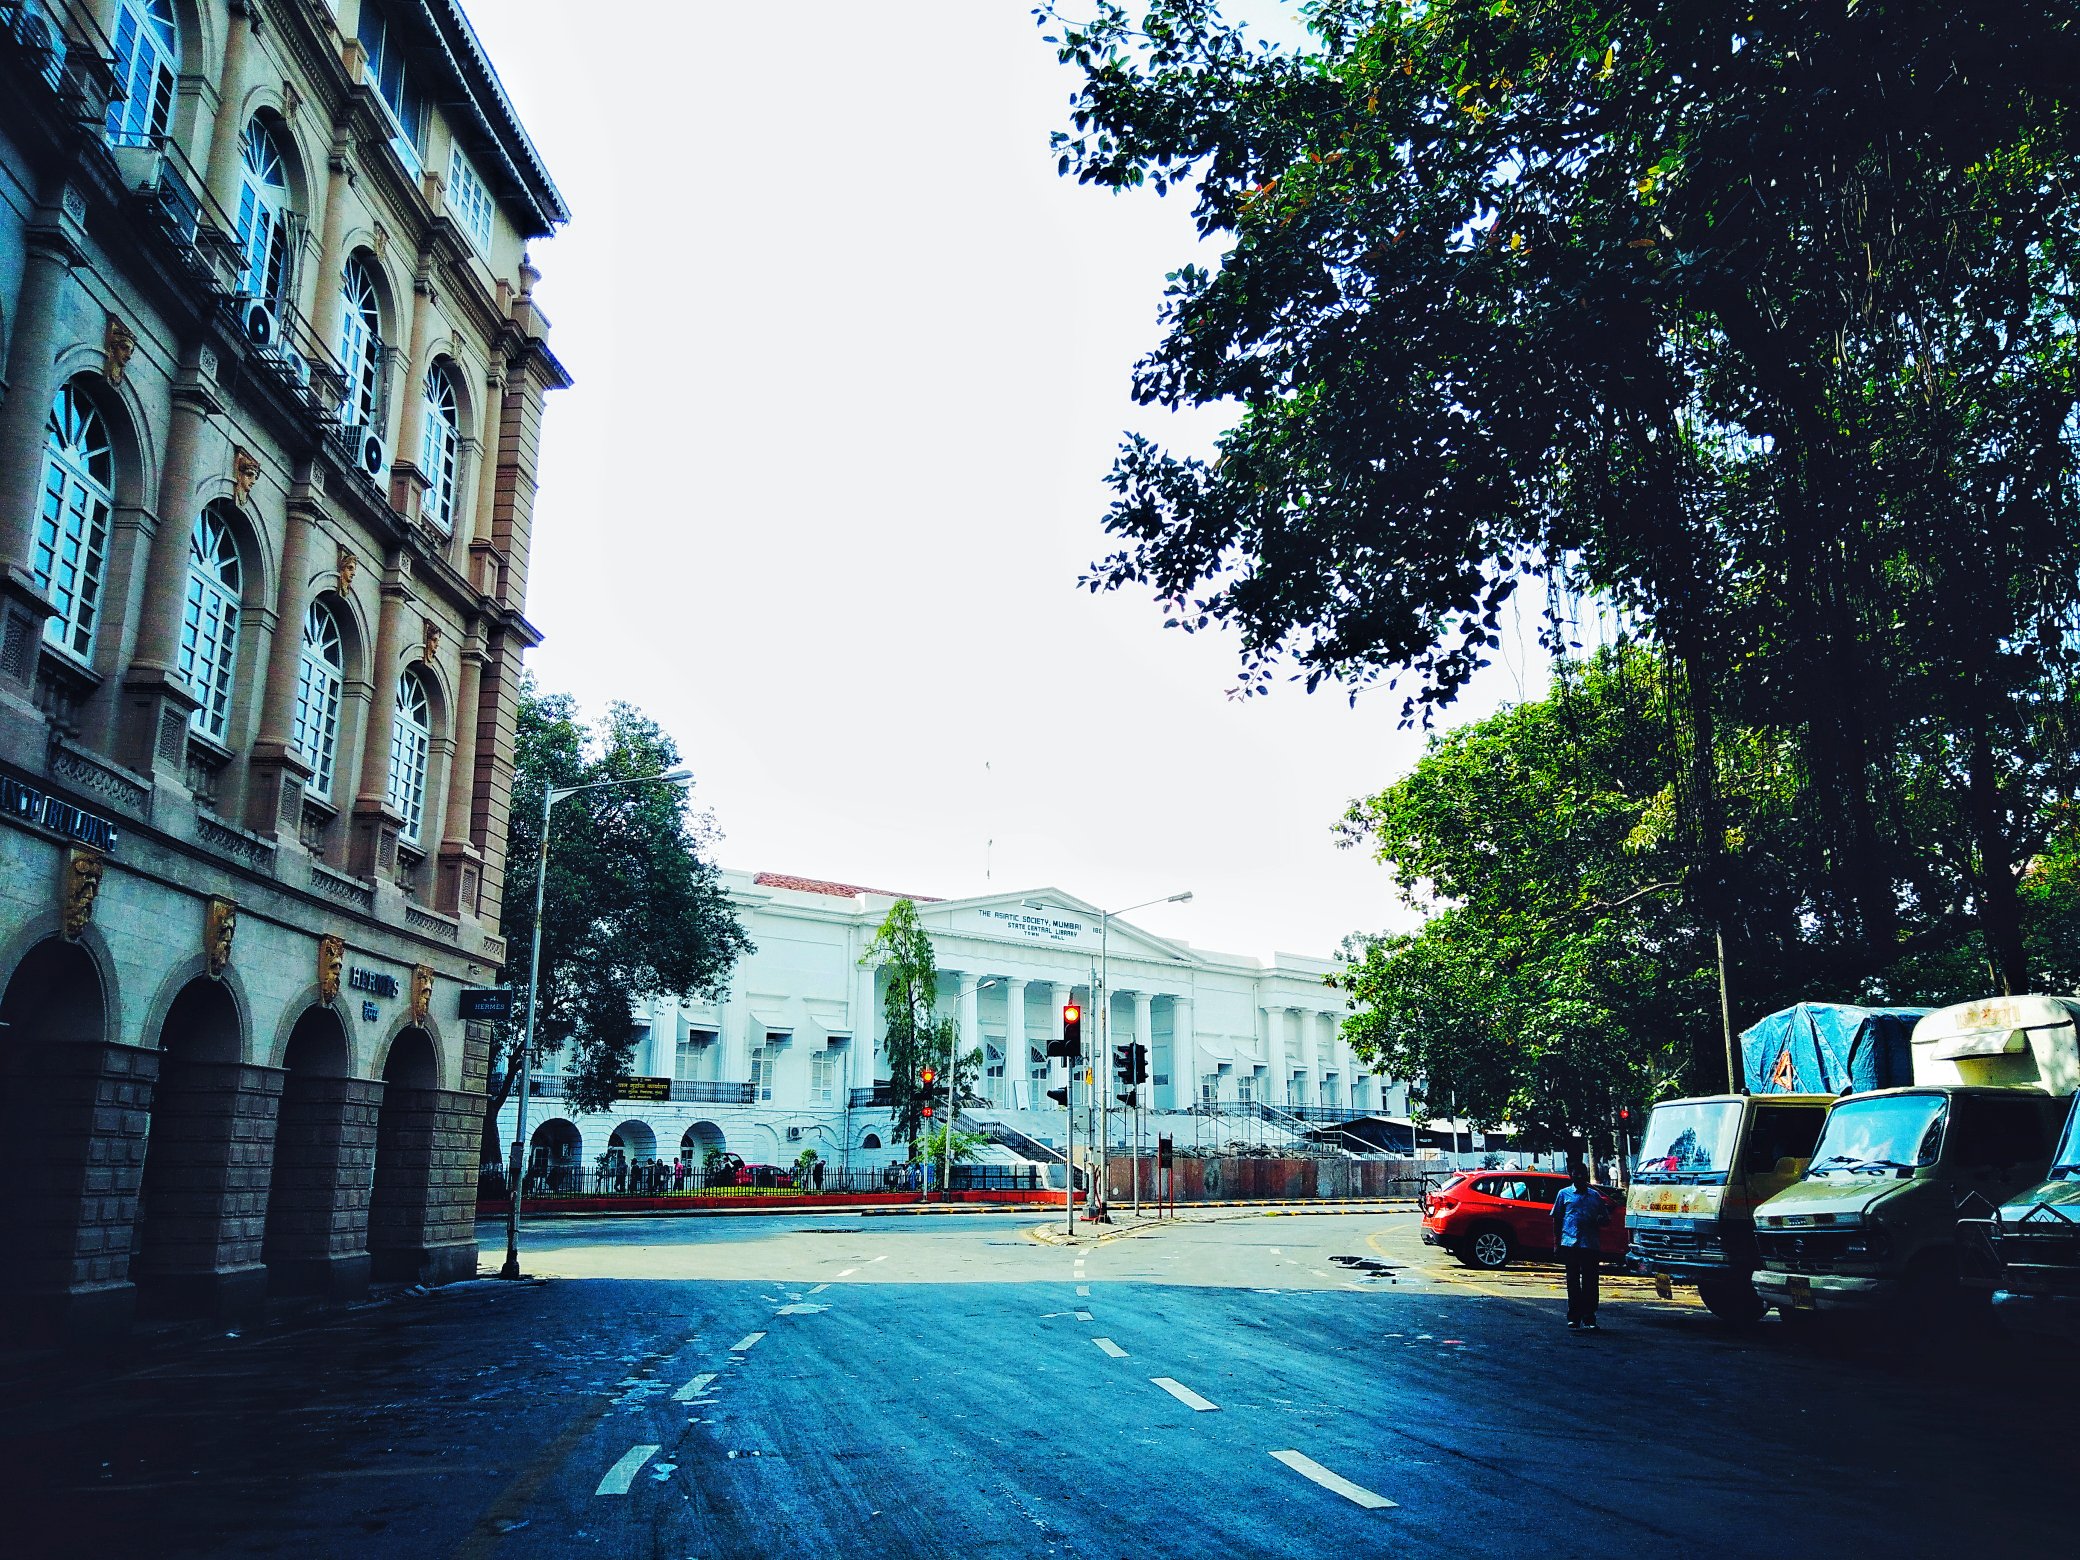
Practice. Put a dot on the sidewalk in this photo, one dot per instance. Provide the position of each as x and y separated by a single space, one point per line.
1124 1223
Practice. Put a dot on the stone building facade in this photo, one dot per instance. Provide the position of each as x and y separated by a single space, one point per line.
272 399
792 1056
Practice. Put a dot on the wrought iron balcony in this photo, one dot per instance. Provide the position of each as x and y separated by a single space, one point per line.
58 44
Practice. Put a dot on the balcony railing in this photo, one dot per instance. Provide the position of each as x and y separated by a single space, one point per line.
689 1091
171 196
62 46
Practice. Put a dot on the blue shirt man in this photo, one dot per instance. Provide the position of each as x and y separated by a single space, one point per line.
1579 1213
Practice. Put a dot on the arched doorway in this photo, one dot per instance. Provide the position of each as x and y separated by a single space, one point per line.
401 1199
630 1146
702 1138
196 1251
556 1157
317 1195
69 1103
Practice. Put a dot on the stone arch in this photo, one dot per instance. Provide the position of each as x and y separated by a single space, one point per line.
317 1200
201 1202
72 1134
58 990
132 438
391 291
635 1138
404 1195
698 1140
429 1032
556 1156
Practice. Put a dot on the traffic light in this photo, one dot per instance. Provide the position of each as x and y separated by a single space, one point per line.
1628 1119
1060 1096
927 1113
1070 1045
1123 1063
1126 1099
1137 1069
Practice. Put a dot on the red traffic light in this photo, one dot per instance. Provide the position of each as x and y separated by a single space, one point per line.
928 1113
1072 1014
927 1077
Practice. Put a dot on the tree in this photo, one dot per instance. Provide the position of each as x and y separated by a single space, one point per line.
632 910
917 1037
1752 321
1561 968
931 1144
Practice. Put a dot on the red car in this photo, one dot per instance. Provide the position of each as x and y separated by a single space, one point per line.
1486 1217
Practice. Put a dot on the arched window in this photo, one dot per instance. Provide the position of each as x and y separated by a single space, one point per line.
360 345
209 621
441 447
320 673
263 203
147 64
411 733
70 554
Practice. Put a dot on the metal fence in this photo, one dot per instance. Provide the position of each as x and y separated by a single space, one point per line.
659 1178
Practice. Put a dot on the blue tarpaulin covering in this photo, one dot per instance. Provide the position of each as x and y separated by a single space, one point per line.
1822 1048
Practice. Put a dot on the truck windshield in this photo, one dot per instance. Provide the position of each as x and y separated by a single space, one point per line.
1882 1135
2067 1160
1690 1141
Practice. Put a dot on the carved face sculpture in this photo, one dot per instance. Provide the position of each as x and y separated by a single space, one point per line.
220 928
422 992
83 869
332 959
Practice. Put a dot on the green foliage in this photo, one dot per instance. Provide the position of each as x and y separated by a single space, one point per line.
633 909
804 1162
930 1145
1751 322
1562 968
916 1035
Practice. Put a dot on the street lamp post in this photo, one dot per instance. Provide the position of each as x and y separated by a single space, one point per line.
1104 995
551 795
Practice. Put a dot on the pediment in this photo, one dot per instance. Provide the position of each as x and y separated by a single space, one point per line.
1047 918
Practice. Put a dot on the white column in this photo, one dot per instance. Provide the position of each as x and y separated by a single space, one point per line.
1145 1037
866 1024
1017 1081
1278 1074
970 1018
1310 1058
1184 1055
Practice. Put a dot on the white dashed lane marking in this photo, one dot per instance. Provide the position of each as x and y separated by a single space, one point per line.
747 1341
693 1388
1110 1348
848 1272
1185 1395
623 1473
1357 1494
819 1289
1083 1289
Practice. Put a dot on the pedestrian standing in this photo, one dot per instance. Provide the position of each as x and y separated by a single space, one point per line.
1579 1214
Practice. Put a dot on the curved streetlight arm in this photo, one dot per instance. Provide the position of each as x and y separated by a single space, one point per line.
517 1183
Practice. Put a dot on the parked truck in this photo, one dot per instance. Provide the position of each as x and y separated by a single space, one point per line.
1873 1224
1705 1163
2035 1245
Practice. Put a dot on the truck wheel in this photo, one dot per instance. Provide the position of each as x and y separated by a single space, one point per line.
1733 1300
1490 1249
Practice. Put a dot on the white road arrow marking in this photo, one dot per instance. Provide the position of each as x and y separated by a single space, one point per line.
623 1473
693 1388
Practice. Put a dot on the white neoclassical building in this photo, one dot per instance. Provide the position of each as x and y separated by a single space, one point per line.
789 1058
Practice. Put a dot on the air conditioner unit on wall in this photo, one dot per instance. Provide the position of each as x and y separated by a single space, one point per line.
256 318
794 1134
369 453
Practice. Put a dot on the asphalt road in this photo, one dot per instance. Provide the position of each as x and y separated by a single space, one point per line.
951 1385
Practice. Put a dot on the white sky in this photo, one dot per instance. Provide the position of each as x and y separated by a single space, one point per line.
852 362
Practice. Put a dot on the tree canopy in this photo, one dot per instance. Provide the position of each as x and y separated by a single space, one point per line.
917 1036
633 908
1753 322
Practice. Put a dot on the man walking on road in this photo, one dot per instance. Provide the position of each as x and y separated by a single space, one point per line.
1579 1212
